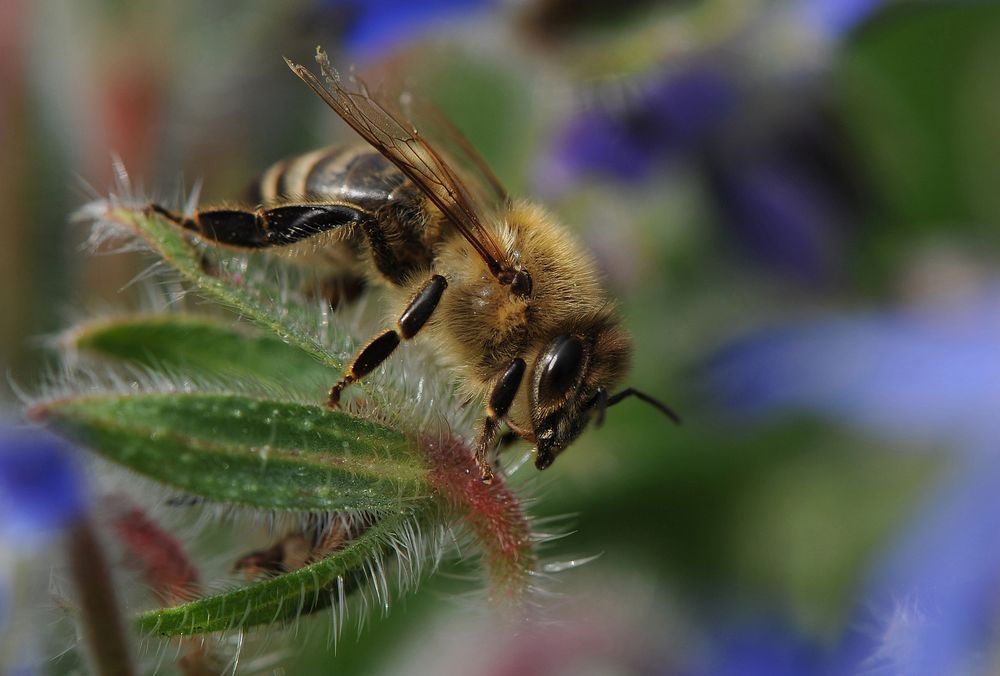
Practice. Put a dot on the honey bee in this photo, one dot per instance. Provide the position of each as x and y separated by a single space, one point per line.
509 297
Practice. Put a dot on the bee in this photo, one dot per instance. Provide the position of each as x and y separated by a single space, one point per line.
506 293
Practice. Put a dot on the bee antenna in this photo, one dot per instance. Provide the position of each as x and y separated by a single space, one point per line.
632 392
600 400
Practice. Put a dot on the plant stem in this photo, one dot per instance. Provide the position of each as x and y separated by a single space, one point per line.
103 629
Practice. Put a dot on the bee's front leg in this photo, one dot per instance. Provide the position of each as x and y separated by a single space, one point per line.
413 318
499 404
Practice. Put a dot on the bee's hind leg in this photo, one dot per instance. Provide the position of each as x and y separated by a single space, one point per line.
417 312
262 228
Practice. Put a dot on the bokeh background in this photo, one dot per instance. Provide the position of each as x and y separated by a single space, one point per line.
797 203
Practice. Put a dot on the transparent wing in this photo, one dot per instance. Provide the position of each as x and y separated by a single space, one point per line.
398 140
437 126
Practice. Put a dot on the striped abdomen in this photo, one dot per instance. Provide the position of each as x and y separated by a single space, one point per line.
356 175
397 225
348 210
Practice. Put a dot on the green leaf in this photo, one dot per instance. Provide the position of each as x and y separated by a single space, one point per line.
281 598
242 296
245 451
204 346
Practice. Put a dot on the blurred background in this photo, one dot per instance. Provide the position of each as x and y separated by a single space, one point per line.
796 203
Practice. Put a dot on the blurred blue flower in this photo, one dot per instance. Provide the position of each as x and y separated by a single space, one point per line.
783 180
41 494
672 118
765 648
775 164
375 27
783 216
932 606
925 375
837 18
41 491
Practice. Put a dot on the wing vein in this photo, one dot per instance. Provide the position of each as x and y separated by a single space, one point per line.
399 141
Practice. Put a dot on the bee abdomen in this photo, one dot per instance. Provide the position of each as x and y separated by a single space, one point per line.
354 174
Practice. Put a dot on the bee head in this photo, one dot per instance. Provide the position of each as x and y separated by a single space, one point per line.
570 381
568 374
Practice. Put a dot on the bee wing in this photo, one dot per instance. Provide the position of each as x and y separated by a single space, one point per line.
399 141
436 124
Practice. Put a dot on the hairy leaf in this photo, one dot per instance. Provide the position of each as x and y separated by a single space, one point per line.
203 345
287 596
173 245
246 451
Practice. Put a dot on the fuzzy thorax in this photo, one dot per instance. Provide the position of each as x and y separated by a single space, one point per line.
480 325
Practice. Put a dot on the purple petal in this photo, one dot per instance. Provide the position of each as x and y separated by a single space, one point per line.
932 606
41 490
379 26
837 18
687 108
672 117
925 375
764 649
784 217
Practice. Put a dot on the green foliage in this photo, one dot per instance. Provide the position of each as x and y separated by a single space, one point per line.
920 90
283 598
251 301
239 450
198 345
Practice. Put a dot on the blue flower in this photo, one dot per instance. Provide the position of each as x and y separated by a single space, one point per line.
837 18
670 119
932 604
41 494
41 491
376 27
928 375
784 217
767 648
774 163
782 179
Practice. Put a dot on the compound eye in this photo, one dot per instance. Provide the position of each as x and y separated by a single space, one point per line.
560 369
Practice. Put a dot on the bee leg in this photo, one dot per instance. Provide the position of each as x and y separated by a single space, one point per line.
336 290
499 404
339 290
416 314
289 553
385 259
262 228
